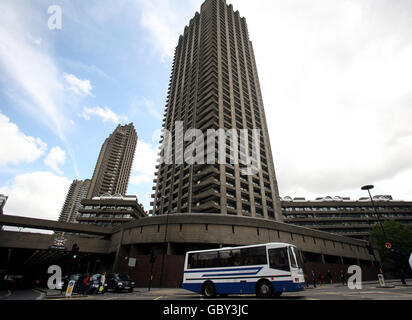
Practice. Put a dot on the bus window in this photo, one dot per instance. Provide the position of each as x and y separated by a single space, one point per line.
293 262
225 258
254 256
203 260
237 260
279 259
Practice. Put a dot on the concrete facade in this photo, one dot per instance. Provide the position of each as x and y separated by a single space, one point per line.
171 236
77 191
110 211
112 171
191 230
3 200
214 85
343 216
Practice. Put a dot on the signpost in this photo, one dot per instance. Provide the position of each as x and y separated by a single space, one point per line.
381 280
70 288
410 261
58 244
132 262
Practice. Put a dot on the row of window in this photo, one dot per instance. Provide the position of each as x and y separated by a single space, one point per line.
94 215
228 258
380 208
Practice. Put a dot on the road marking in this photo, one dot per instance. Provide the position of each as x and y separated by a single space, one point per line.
158 298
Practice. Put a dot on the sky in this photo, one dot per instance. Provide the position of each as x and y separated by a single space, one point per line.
335 76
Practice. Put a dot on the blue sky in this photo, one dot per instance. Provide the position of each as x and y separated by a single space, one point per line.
335 78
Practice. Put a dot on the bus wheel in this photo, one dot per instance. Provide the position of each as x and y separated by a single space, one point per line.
209 289
264 289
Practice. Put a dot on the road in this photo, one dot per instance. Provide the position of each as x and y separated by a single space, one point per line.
369 291
23 294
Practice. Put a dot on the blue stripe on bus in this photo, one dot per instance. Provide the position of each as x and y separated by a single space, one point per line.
245 287
230 274
223 270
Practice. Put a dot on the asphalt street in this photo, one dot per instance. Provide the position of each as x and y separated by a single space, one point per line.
369 291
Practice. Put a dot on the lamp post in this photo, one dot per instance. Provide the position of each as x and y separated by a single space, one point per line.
392 250
368 188
165 242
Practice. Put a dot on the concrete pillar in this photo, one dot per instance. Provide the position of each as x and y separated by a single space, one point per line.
117 257
169 249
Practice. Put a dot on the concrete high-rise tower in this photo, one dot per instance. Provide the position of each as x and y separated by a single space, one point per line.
112 172
77 191
214 85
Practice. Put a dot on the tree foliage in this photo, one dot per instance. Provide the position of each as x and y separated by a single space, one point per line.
400 236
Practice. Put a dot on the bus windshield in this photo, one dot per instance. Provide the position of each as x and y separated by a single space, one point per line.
295 257
292 257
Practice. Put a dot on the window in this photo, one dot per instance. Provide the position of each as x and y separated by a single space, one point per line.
298 256
254 256
203 260
293 262
278 259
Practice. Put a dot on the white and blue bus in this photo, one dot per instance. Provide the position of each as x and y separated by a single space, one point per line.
265 270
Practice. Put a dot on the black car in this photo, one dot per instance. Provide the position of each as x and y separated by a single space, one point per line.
118 282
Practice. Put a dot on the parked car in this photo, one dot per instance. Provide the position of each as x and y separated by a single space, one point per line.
119 282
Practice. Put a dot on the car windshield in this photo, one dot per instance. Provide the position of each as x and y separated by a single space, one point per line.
124 277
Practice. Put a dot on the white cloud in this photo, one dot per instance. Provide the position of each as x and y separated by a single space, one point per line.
15 146
106 114
142 105
77 85
33 76
55 158
165 20
29 73
36 195
144 164
335 78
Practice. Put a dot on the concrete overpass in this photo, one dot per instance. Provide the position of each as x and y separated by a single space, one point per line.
24 222
22 252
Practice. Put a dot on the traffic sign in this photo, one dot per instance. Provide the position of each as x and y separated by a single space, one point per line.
410 261
388 245
70 287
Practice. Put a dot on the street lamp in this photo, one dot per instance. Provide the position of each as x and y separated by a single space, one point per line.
164 241
368 188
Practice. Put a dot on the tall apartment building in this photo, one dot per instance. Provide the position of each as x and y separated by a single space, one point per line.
214 85
77 191
3 200
112 171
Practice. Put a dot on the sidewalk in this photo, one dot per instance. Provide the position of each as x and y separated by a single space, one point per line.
392 283
163 292
55 294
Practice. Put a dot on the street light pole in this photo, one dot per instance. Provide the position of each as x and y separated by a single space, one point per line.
392 251
368 188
